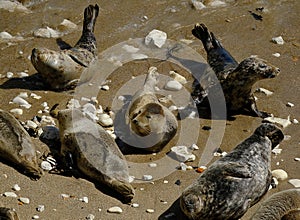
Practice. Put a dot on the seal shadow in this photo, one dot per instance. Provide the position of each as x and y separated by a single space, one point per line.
173 212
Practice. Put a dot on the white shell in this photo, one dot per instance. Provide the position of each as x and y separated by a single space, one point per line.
16 187
173 85
182 154
147 177
295 182
278 40
24 200
115 209
280 174
45 165
156 37
16 111
10 194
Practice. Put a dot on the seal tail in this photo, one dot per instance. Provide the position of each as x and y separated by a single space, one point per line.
208 39
90 16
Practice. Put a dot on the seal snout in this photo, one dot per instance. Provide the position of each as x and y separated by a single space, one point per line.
191 204
271 131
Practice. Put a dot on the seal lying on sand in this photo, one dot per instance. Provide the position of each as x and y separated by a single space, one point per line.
16 146
62 70
236 181
95 152
236 79
281 205
7 213
153 123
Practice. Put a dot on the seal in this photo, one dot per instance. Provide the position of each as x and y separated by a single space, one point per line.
7 213
281 205
236 181
150 119
94 151
16 146
236 79
61 70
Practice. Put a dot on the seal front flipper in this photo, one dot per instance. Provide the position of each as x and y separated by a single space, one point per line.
252 109
236 170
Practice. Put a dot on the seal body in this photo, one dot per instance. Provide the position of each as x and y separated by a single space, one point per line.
152 124
281 205
16 146
236 79
94 151
62 69
236 181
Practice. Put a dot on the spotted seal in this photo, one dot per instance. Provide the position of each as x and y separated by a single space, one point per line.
94 151
151 121
282 205
62 70
16 146
236 79
236 181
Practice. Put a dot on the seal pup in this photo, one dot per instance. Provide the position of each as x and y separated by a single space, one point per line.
61 70
236 79
152 122
93 151
16 146
281 205
236 181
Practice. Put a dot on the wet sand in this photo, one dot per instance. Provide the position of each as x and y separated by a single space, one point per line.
238 31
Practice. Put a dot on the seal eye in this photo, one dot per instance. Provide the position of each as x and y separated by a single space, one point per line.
148 116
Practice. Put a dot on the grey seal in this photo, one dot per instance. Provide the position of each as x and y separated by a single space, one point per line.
94 151
16 146
236 79
282 205
61 70
148 118
236 181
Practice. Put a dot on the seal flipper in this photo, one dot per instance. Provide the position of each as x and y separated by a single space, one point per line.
218 57
236 170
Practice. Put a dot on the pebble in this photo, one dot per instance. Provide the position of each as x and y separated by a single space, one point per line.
21 102
182 153
40 208
90 217
17 111
295 121
276 54
9 75
35 96
35 217
105 120
131 179
147 177
5 35
45 165
122 98
46 33
115 209
179 78
277 150
194 147
22 74
16 187
166 181
198 5
217 3
173 85
173 108
73 103
265 91
149 210
278 40
10 194
31 124
84 199
130 49
24 200
297 159
183 166
295 182
135 205
64 196
278 121
289 104
156 37
152 165
66 26
104 87
280 174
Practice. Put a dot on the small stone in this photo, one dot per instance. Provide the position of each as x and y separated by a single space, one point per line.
173 108
84 199
16 111
104 87
166 181
24 200
150 210
295 182
21 102
35 217
289 104
183 166
277 150
40 208
216 3
31 124
121 98
276 54
35 96
64 196
105 120
198 5
16 187
178 182
297 159
90 217
115 209
179 78
173 85
278 121
5 35
131 179
278 40
152 165
156 37
182 154
9 75
147 177
295 121
265 91
45 165
10 194
22 74
280 174
135 205
194 147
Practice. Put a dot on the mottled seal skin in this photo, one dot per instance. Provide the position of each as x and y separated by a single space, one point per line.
16 146
148 118
94 151
236 181
7 213
236 79
62 69
281 205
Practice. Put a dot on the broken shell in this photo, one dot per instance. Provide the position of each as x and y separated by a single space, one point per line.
178 77
105 120
156 37
173 85
16 111
45 165
280 174
115 209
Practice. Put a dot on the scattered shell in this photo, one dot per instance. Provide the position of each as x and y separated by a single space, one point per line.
12 6
40 208
10 194
276 54
173 108
178 77
152 165
104 87
84 199
9 75
277 150
289 104
45 165
150 210
173 85
130 49
5 35
278 121
278 40
295 121
105 120
166 181
147 177
121 98
194 147
265 91
295 182
90 217
297 159
64 196
35 96
198 5
216 3
16 187
280 174
16 111
31 124
156 37
35 217
73 103
182 153
24 200
135 205
115 209
131 179
183 166
22 74
46 33
66 26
